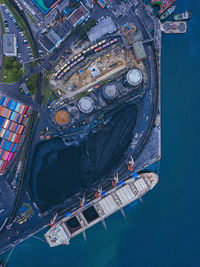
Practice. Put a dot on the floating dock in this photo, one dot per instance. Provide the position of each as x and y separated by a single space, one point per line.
105 204
173 27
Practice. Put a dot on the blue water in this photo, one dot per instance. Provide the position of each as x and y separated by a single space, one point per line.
165 231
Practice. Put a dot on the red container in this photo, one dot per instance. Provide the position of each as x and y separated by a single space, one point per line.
21 129
6 102
17 139
5 164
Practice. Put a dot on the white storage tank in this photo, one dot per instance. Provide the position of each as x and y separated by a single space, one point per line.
86 104
134 77
109 91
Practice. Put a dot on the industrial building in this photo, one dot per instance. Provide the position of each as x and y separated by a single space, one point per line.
55 37
105 26
10 45
78 16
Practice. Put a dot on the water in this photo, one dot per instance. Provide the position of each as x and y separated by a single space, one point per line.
165 230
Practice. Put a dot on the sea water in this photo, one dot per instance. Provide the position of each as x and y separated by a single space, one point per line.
165 230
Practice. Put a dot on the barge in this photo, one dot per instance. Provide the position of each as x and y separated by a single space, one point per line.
173 27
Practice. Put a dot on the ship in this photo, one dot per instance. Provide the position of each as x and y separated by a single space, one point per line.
183 16
173 27
167 13
104 204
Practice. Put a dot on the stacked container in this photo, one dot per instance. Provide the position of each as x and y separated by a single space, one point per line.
12 115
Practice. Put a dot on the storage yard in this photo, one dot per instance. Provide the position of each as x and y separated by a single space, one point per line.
13 119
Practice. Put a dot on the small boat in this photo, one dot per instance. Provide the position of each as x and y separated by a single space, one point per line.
183 16
167 13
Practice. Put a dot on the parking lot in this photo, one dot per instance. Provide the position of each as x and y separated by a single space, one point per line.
24 52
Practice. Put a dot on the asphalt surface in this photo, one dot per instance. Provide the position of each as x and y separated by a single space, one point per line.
19 232
23 51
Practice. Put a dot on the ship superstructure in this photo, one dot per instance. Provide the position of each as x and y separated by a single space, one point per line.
106 203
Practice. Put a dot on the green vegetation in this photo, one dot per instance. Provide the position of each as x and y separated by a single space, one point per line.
2 24
32 64
81 95
11 70
91 23
32 83
47 92
30 17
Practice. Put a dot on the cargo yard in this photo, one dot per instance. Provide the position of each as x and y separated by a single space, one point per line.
13 120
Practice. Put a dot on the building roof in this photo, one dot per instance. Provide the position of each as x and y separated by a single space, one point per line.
94 71
138 48
46 43
53 37
105 26
78 14
63 30
24 87
9 44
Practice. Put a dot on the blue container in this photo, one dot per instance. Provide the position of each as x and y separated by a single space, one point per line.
2 100
14 148
9 103
7 145
1 121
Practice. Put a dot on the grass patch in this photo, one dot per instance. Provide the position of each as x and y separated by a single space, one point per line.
32 83
11 70
2 24
46 91
83 34
81 94
32 64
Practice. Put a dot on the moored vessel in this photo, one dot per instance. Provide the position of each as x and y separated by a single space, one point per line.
173 27
167 13
103 205
183 16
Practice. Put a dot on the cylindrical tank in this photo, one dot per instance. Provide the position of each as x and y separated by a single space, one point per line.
86 104
62 117
134 77
109 91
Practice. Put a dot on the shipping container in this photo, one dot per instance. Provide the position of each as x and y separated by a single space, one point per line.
1 162
14 148
25 110
8 113
2 132
6 102
9 103
17 107
17 126
6 145
2 100
17 139
1 121
21 129
20 119
5 164
13 105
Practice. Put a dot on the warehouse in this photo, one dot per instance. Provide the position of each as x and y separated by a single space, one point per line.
9 45
105 26
78 16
